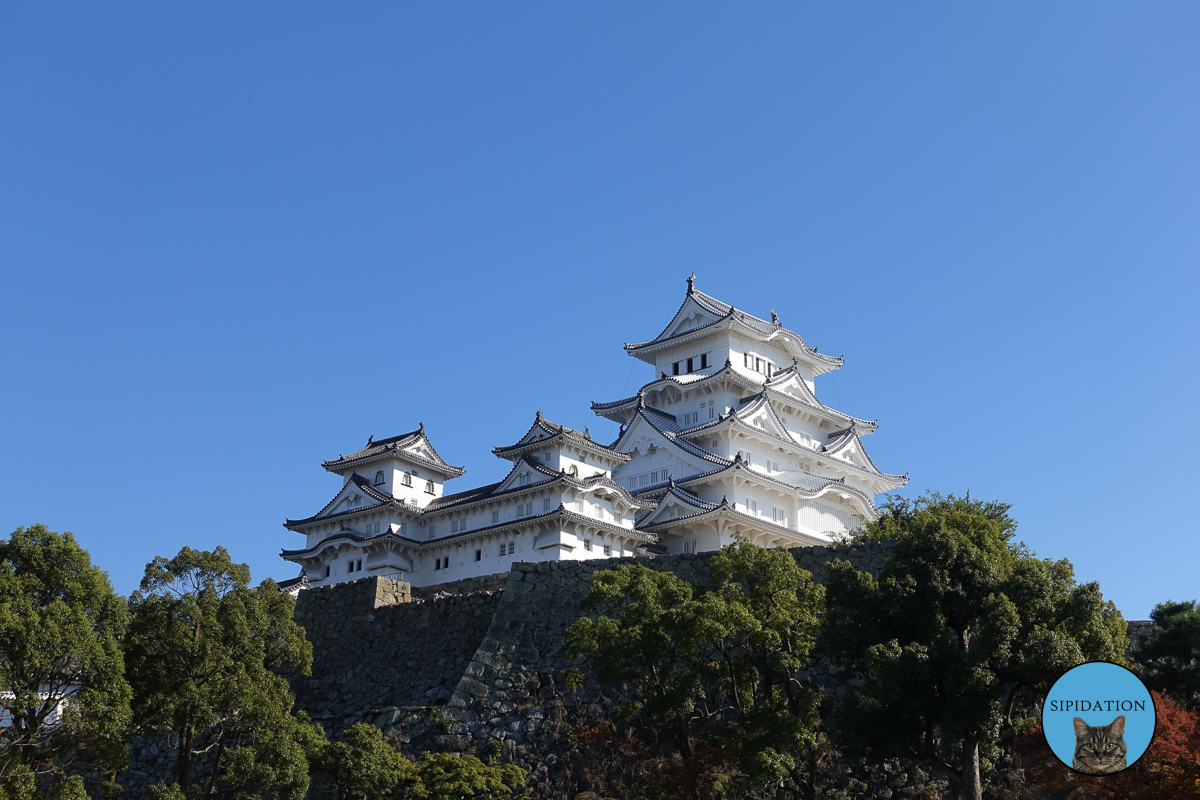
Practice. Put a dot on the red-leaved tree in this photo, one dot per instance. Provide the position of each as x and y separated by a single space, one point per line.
1169 770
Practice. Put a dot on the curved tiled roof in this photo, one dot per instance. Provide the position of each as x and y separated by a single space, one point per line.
561 511
727 313
807 484
393 446
552 430
347 535
770 385
726 508
363 485
489 492
668 427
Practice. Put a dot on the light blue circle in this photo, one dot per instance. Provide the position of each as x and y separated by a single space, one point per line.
1115 690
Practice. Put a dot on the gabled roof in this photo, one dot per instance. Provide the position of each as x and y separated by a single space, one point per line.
704 508
361 484
787 378
688 500
347 535
776 384
806 484
724 314
433 544
839 441
406 446
668 427
545 477
543 432
868 469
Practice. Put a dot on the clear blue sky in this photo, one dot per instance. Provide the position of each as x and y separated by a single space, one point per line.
236 239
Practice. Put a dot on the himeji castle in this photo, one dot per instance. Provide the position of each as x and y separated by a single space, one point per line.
729 439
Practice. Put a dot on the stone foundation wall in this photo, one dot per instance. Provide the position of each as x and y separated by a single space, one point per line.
369 657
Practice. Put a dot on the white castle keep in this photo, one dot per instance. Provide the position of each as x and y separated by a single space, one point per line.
728 439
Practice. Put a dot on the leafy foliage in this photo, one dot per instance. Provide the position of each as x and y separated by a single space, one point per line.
61 670
1169 769
963 625
366 767
713 670
1169 660
201 651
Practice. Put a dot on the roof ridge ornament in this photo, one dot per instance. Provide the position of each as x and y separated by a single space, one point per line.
586 432
691 282
422 427
775 317
728 362
671 481
370 439
539 414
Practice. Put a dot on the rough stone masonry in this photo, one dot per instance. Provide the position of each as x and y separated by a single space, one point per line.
474 666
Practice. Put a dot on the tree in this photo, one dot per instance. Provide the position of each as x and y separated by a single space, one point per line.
713 670
961 626
1168 770
62 683
366 767
201 653
1169 659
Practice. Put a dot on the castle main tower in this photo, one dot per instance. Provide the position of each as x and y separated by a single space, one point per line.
730 438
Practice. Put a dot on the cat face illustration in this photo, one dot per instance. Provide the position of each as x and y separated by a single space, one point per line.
1099 749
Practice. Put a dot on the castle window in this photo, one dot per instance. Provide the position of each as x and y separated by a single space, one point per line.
478 555
751 505
431 528
608 550
358 565
704 361
587 545
379 478
749 364
512 548
758 365
689 365
407 479
675 368
546 504
428 487
326 570
495 516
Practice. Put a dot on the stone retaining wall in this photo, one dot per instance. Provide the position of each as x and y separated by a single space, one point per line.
369 657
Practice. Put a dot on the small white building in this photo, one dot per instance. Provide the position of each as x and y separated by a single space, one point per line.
729 439
392 516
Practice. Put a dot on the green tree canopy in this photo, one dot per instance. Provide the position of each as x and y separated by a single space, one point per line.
62 683
1169 659
201 651
963 623
366 767
712 669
